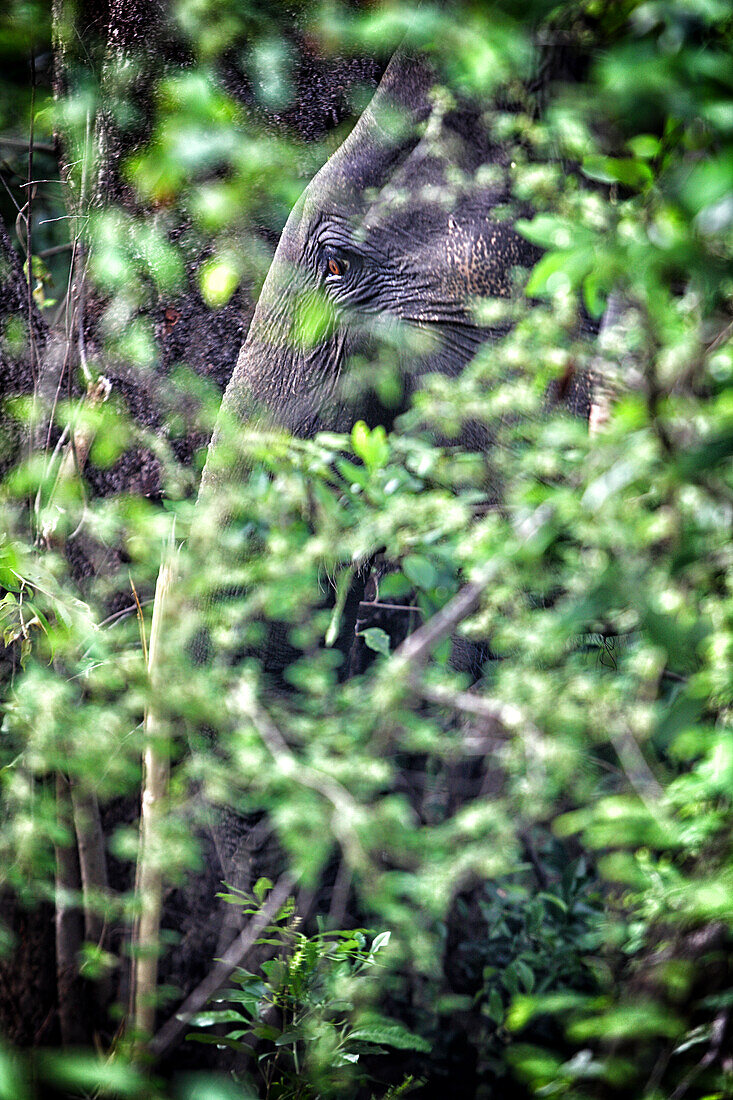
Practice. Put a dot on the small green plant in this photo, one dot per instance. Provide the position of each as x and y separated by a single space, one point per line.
304 1016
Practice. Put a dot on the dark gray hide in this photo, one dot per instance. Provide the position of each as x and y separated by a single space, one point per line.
392 241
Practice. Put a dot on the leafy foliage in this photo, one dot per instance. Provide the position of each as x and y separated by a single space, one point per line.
304 1007
599 714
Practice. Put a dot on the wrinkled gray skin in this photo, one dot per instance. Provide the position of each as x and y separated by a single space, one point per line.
399 212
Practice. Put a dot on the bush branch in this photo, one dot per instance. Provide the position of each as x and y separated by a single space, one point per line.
171 1032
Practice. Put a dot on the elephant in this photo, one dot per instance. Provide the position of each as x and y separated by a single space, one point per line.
391 245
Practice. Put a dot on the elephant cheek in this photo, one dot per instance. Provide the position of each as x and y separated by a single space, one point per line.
291 383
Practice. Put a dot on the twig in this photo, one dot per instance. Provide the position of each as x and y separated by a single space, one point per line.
94 881
600 409
22 144
34 184
717 1037
345 808
55 250
140 620
635 767
149 878
92 861
391 606
19 209
505 715
416 649
171 1032
123 612
68 924
340 894
28 224
719 339
63 218
76 451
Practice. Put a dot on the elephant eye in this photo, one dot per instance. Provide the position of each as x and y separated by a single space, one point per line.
337 266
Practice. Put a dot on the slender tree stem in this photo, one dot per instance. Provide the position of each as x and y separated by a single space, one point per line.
92 861
68 925
156 763
29 220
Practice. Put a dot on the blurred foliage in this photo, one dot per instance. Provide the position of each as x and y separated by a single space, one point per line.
606 599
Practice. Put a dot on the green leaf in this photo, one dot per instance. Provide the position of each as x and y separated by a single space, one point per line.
260 888
394 586
350 472
525 975
391 1035
14 1083
371 446
219 1041
266 1031
644 146
494 1007
634 174
377 639
628 1021
379 942
548 231
218 1016
559 270
594 294
420 571
288 1037
82 1071
219 278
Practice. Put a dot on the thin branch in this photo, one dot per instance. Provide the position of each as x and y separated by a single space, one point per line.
68 924
346 809
415 650
92 860
635 767
391 606
23 144
55 250
94 880
140 620
124 612
505 715
12 197
76 452
63 218
340 894
156 760
411 656
717 1038
720 339
28 222
172 1032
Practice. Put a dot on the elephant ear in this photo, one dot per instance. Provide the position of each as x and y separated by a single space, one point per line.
387 132
384 137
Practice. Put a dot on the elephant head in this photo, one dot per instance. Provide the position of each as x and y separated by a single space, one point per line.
392 240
